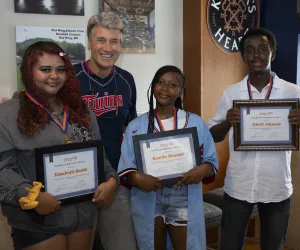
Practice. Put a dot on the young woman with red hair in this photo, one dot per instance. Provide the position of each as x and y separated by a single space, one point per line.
48 112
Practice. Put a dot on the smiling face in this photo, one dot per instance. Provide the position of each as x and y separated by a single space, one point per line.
105 46
49 74
167 89
258 54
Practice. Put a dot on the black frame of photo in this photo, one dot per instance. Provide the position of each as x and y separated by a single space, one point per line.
40 168
138 155
239 146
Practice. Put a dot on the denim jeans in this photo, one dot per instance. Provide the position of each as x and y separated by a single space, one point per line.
274 218
172 205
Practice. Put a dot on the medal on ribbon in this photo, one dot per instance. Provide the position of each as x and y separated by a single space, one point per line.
62 126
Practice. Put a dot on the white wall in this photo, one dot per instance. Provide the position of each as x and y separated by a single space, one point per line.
169 43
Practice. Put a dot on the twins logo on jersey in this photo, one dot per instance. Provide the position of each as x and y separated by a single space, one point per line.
103 104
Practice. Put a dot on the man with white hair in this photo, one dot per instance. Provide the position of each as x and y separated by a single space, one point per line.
111 93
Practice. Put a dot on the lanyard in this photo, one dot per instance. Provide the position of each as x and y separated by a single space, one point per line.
268 92
161 126
62 126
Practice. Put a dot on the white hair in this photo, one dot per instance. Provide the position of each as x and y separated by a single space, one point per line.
106 20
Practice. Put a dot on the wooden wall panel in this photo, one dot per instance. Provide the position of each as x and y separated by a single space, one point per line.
192 55
208 70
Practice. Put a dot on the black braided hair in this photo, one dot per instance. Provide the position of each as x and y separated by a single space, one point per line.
150 93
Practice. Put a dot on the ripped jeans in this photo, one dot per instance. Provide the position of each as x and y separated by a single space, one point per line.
172 205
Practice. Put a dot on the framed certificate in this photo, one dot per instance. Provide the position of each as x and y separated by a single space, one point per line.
264 125
167 155
71 172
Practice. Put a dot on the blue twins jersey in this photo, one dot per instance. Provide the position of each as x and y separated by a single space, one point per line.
113 100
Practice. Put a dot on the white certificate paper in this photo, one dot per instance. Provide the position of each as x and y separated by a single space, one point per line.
71 173
167 158
265 125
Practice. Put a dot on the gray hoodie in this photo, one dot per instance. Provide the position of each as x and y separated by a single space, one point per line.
17 172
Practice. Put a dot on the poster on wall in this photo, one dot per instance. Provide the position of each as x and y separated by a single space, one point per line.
139 23
52 7
72 40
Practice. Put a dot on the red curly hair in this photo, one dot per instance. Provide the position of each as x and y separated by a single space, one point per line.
32 118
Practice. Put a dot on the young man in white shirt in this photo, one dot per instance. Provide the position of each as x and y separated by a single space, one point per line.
255 177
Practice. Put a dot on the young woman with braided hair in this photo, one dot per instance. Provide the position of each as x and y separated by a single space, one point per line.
157 209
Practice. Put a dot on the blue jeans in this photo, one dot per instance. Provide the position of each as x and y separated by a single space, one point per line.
172 205
274 219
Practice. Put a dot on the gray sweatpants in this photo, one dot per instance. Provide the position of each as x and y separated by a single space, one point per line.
115 225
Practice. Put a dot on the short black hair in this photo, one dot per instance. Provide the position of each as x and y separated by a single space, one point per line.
259 32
